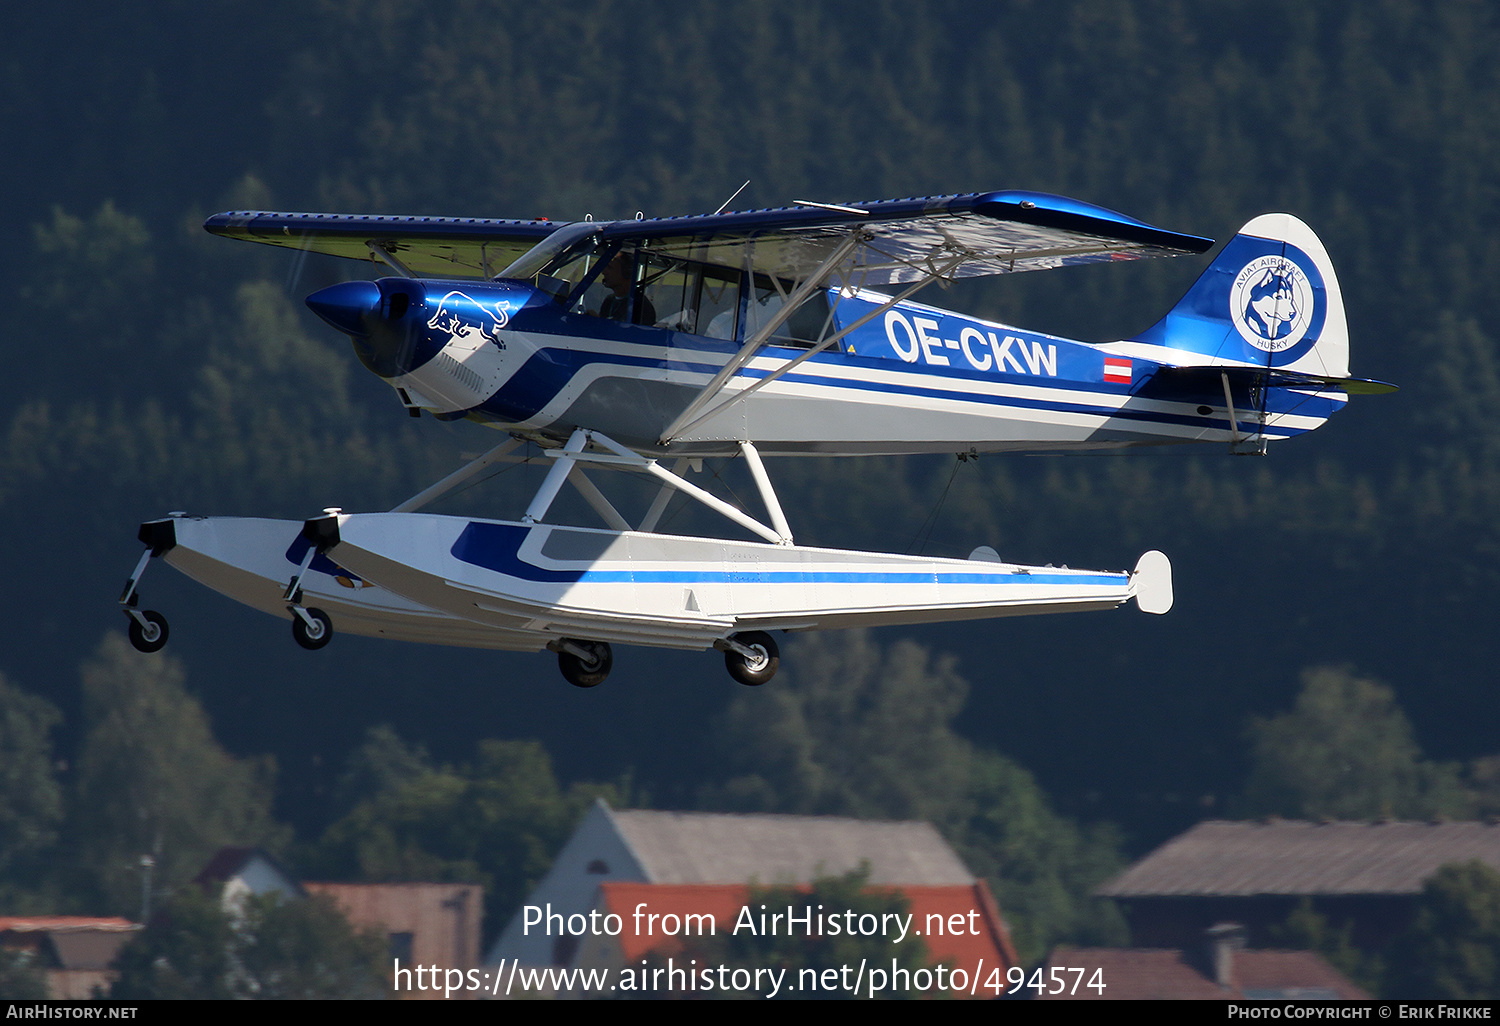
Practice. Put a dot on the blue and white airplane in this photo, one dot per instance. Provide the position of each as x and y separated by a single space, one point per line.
783 332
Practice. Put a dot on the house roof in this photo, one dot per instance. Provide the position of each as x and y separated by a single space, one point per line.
966 950
66 924
70 942
713 848
1295 857
231 862
1143 974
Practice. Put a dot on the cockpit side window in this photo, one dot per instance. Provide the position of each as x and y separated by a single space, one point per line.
718 302
637 285
688 296
669 285
803 328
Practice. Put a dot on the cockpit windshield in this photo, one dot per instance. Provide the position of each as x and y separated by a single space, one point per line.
640 285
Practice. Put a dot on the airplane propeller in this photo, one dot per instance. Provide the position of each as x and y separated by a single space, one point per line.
347 305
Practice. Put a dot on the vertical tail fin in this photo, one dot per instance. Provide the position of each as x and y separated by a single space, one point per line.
1270 299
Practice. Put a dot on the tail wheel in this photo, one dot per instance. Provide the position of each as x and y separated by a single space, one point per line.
312 636
755 669
150 636
586 672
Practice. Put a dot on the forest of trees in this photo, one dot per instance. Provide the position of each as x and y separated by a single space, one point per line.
1331 652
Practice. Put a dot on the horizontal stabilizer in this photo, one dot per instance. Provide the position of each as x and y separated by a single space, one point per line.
1211 377
1354 386
1152 581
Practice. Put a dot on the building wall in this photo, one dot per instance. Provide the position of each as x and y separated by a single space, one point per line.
443 920
595 853
79 984
1180 921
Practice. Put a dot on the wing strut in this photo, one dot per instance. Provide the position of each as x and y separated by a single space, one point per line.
576 452
767 493
682 425
595 498
754 342
1243 445
458 477
568 469
380 251
664 494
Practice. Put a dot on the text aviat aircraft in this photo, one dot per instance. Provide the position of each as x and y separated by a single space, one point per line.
786 332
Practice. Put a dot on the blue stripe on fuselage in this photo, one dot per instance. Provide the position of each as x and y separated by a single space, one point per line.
963 341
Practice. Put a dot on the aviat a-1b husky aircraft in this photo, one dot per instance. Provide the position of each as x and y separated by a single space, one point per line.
629 345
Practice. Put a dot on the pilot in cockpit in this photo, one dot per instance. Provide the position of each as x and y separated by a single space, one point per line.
618 276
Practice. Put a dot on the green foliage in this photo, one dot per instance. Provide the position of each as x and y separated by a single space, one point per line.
30 795
1346 752
856 730
1452 950
21 979
269 949
152 780
87 270
1483 781
185 953
1307 929
497 821
306 949
1042 867
381 765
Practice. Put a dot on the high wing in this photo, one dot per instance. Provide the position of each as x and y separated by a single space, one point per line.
906 240
884 242
799 249
430 247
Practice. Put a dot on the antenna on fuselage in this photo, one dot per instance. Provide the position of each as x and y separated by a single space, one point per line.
731 197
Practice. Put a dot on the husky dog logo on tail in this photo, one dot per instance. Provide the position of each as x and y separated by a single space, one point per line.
1269 299
1270 303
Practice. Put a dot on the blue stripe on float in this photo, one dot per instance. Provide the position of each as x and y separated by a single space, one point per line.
496 547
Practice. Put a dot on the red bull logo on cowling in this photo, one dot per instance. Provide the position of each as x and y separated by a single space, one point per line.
454 313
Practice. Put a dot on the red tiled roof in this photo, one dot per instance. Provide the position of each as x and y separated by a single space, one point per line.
1145 974
964 950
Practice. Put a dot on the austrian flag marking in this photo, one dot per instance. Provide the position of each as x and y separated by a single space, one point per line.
1117 369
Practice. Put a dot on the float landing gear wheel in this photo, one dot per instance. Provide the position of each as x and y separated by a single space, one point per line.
148 630
752 657
584 664
312 635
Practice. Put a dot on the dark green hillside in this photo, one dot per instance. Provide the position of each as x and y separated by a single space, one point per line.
154 368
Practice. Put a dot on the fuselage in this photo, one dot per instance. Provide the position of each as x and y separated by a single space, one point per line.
912 379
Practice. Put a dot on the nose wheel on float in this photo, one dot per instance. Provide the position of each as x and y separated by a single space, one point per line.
148 628
311 627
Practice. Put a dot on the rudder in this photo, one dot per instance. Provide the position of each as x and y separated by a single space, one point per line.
1270 299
